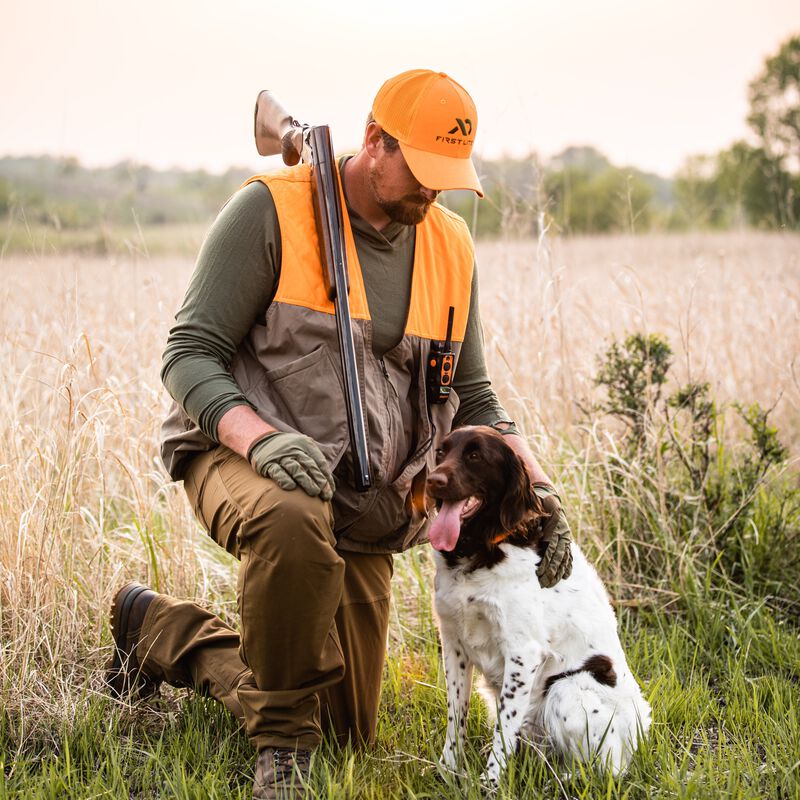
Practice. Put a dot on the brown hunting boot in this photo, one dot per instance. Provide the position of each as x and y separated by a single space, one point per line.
124 675
281 773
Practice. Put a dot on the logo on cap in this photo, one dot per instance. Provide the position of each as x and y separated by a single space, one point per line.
464 124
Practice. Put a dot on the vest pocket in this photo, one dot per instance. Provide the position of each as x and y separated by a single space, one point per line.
308 397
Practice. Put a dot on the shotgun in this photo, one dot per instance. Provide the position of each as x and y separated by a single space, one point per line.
276 131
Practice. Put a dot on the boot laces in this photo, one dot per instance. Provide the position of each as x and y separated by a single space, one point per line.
289 764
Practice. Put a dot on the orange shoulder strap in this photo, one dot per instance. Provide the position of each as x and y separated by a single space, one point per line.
301 282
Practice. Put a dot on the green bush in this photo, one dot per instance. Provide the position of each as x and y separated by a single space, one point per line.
688 504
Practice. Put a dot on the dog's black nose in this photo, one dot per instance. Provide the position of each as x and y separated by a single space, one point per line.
437 480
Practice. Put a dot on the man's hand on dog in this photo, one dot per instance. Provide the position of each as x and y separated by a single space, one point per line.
556 563
292 460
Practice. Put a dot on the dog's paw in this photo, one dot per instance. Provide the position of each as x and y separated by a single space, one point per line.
490 777
490 783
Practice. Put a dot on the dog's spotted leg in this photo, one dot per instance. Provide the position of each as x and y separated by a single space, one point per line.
458 674
520 671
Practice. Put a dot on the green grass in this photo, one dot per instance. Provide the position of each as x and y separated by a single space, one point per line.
723 678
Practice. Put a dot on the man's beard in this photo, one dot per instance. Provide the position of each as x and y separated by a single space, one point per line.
408 210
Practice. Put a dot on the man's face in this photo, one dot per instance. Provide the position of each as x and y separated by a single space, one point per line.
395 189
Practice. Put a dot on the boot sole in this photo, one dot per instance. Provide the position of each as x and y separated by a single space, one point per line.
118 678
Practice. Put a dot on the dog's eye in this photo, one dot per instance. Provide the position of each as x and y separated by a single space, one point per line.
474 455
439 454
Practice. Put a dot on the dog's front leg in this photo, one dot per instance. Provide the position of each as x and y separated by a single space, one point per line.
458 675
519 673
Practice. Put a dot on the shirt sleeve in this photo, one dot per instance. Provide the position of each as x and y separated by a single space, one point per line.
479 404
233 283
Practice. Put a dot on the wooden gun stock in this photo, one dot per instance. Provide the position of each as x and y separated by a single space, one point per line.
276 131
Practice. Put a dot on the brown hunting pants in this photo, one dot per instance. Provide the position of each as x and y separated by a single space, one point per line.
313 619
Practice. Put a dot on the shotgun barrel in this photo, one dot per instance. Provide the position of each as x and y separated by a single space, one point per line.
330 232
276 131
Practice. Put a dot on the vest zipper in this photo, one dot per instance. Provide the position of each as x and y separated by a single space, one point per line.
426 445
386 375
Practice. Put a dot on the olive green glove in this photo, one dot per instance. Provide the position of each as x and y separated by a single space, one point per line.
556 563
292 460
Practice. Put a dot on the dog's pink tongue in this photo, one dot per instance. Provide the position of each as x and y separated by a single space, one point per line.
446 527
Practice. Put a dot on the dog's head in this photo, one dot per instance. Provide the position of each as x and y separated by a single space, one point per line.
483 492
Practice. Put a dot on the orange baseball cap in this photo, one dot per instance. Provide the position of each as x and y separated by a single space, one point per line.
435 121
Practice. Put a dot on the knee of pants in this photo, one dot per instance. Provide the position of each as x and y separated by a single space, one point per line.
289 525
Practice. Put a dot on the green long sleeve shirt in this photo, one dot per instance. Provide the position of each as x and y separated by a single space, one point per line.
235 279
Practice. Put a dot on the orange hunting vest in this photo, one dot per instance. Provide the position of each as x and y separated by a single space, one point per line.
288 368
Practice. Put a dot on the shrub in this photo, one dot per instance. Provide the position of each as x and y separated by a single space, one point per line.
686 504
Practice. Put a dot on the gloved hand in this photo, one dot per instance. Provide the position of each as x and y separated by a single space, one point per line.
556 563
292 460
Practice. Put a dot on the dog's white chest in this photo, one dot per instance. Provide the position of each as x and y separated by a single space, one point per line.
480 618
488 609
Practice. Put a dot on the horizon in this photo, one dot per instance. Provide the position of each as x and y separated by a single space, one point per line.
546 162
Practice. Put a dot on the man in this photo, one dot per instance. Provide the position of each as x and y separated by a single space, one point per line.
258 432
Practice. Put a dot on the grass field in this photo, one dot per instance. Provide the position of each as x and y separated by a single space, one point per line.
707 583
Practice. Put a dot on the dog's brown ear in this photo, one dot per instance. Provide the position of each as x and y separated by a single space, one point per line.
518 500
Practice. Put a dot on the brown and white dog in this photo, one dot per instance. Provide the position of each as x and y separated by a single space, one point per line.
551 658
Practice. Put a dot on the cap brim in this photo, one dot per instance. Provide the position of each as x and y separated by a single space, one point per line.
441 172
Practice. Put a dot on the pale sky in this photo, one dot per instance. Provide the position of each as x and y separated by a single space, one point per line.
173 83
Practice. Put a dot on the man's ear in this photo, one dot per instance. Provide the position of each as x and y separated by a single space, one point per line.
372 139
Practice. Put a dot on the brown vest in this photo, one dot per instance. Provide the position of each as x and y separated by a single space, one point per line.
288 368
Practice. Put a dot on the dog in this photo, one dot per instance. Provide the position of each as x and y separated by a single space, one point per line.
551 659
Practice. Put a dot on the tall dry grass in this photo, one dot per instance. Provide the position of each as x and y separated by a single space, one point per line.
85 503
728 303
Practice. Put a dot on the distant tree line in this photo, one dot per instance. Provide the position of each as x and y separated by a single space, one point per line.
579 191
62 193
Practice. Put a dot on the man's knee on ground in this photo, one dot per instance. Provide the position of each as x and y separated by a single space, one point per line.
291 524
